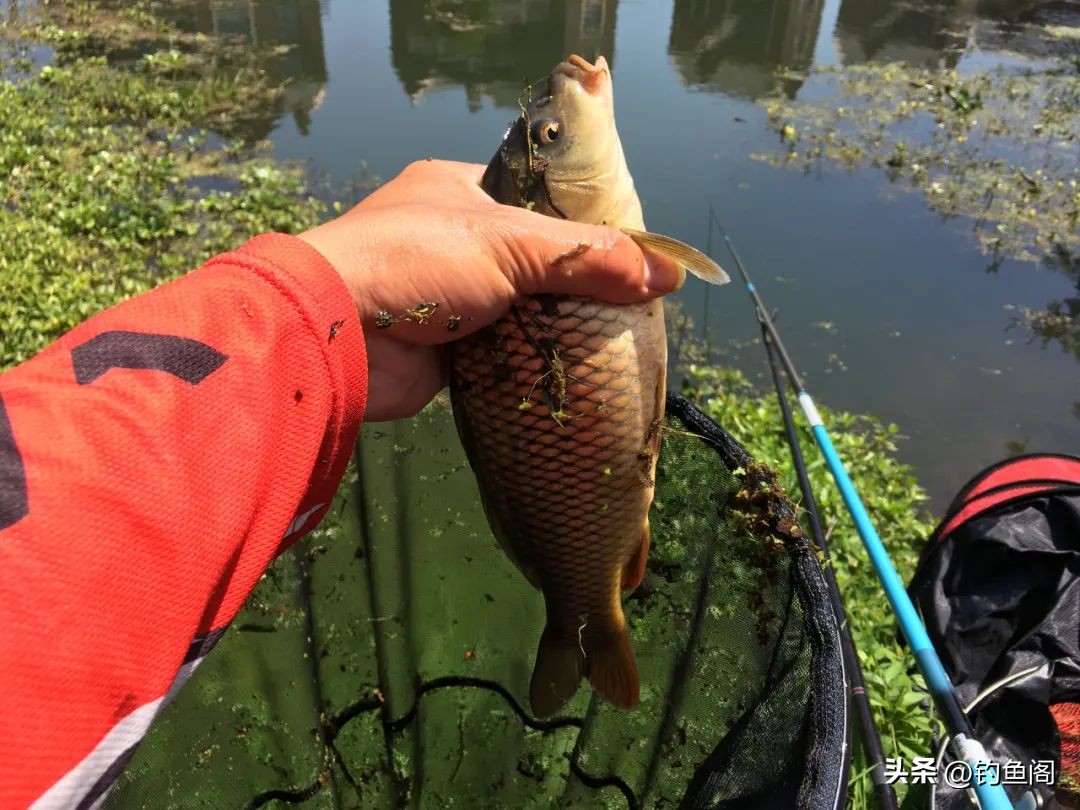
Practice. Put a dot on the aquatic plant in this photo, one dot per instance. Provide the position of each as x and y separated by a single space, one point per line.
997 147
994 149
121 173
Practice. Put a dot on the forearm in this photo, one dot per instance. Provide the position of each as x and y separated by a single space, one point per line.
153 461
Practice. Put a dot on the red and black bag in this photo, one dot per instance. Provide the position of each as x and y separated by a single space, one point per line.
998 586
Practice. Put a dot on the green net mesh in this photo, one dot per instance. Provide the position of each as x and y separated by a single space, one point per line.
384 661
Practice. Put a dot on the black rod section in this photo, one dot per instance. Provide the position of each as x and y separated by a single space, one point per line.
762 313
868 730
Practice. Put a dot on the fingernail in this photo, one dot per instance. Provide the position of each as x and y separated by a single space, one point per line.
662 273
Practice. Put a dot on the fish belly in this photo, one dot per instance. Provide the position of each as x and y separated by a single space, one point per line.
559 406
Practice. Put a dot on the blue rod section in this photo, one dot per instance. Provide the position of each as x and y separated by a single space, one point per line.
890 580
991 797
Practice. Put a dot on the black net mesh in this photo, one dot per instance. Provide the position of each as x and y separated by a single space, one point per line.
384 661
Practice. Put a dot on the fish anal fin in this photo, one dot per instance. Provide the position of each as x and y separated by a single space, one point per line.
613 669
634 571
557 674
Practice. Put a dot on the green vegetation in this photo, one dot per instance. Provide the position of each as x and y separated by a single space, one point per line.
893 498
998 147
113 180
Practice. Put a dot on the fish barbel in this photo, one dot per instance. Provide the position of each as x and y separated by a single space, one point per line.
559 405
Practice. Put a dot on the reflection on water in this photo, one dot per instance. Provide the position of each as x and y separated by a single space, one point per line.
735 46
923 34
930 361
288 37
933 34
493 48
1016 26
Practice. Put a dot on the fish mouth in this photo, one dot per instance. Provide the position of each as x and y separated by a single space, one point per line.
593 77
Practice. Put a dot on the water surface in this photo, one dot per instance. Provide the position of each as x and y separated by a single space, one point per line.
886 307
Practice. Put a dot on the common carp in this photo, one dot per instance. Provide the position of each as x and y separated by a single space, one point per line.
560 404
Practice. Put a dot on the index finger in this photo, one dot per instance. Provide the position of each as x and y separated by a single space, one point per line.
545 254
449 172
469 172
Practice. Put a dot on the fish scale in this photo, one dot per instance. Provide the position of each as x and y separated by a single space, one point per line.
567 501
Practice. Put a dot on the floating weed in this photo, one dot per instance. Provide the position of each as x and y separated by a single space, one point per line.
996 147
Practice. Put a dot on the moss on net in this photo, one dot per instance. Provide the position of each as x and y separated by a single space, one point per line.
897 692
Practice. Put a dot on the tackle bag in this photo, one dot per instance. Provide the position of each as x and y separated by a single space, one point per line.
998 586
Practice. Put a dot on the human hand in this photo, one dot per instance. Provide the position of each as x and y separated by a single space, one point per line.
432 235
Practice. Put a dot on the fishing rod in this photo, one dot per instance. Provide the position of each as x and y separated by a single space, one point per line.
871 738
965 745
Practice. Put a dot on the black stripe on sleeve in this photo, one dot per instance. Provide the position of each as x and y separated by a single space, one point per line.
181 357
13 501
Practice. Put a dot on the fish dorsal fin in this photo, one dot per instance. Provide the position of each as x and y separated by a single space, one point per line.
690 258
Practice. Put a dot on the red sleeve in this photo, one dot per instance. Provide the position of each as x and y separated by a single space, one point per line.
153 461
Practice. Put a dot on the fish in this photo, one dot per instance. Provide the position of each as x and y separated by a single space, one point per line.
560 404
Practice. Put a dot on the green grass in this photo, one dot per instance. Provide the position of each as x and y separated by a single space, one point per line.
894 500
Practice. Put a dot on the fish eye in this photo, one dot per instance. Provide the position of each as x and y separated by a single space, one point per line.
544 132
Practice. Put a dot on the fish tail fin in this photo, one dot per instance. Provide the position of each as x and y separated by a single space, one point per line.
613 669
558 671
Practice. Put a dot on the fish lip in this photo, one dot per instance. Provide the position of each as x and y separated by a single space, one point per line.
591 76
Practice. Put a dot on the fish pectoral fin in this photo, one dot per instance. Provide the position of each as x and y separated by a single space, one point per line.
634 571
613 670
689 258
558 671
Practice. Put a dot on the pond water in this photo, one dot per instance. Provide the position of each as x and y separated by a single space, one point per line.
886 307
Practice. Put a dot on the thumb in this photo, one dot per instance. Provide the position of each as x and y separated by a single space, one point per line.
594 261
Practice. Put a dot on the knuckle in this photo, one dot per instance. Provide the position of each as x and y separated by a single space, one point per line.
622 259
419 166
